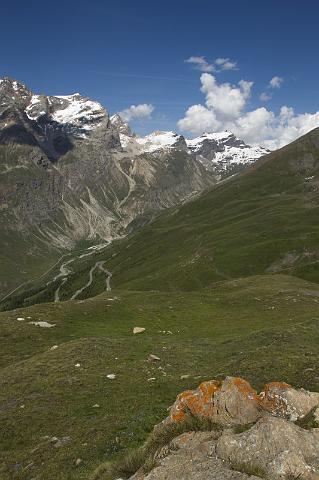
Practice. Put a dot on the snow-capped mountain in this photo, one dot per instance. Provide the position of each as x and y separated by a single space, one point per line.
160 140
74 112
53 123
221 152
224 152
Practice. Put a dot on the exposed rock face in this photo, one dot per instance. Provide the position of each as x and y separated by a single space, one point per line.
270 446
122 127
191 456
274 446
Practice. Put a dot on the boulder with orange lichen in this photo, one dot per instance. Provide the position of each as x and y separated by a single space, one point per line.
268 444
282 400
232 401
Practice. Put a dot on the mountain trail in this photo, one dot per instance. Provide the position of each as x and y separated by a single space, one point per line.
98 265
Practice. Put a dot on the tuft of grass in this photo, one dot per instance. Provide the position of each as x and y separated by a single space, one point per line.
144 457
243 428
249 468
309 421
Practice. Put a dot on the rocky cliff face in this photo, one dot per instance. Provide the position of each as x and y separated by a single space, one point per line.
271 435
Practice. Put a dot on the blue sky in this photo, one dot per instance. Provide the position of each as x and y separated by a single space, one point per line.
128 53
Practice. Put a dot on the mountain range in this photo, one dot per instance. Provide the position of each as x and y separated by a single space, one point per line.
70 174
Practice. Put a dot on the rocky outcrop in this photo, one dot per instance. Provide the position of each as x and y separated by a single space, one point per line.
260 435
275 448
234 401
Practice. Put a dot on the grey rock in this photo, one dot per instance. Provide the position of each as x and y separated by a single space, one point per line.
275 446
191 456
60 441
153 358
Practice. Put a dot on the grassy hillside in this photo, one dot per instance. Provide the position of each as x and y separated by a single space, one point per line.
262 328
262 221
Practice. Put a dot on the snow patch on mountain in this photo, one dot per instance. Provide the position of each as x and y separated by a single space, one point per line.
159 140
195 144
80 111
72 110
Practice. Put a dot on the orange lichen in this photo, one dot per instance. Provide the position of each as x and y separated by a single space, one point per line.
204 403
208 389
196 402
245 388
275 385
270 398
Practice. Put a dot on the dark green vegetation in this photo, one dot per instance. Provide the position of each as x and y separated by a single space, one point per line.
262 221
262 328
308 421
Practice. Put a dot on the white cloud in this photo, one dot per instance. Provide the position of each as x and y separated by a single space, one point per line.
276 82
226 64
199 119
224 99
143 110
226 108
265 97
200 63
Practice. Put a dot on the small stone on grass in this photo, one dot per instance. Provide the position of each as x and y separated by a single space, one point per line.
138 330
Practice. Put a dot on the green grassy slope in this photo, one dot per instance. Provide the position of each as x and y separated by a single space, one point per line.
264 220
263 328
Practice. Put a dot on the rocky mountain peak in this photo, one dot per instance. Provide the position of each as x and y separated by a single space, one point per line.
11 90
75 113
73 110
52 123
122 127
